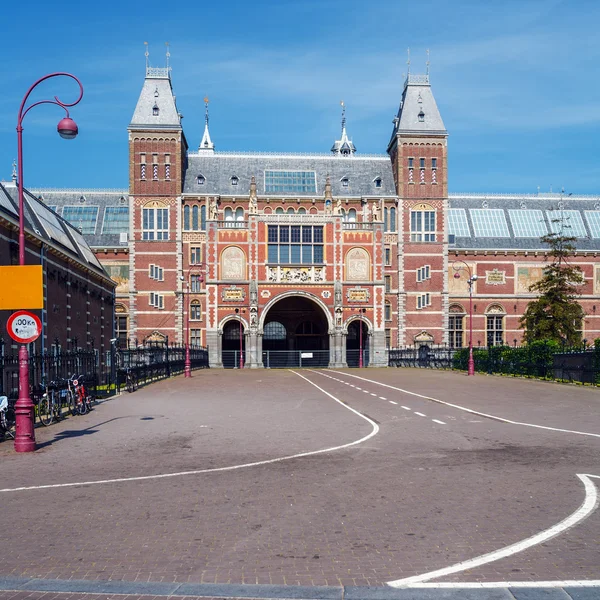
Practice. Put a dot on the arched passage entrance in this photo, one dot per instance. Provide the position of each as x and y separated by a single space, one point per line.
357 340
295 333
233 344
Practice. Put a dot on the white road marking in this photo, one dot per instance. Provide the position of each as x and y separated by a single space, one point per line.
382 398
438 421
470 410
510 584
366 392
420 414
589 505
372 394
392 402
374 432
406 408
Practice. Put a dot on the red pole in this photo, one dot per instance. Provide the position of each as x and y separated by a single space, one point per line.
241 344
471 365
188 363
360 356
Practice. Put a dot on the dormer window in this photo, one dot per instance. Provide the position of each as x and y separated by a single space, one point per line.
155 110
82 198
421 116
200 179
344 182
377 182
234 180
420 99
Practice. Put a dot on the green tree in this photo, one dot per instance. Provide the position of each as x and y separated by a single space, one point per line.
556 314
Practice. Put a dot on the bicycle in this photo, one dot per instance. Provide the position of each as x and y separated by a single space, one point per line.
8 418
130 381
77 404
50 405
83 393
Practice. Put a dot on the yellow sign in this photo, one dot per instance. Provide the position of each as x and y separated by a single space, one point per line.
358 295
233 294
21 287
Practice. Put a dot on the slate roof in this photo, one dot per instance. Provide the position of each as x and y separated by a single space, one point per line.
218 169
103 199
48 226
522 202
156 91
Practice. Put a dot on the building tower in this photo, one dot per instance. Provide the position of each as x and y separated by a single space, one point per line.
418 150
157 155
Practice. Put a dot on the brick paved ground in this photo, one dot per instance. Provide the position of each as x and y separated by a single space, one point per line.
416 497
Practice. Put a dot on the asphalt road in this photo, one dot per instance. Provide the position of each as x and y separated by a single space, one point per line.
213 491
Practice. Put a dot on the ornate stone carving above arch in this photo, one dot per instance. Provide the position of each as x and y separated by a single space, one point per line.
358 265
155 204
233 264
495 309
457 309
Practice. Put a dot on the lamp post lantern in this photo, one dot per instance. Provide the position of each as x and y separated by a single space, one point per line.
187 369
459 265
238 312
67 128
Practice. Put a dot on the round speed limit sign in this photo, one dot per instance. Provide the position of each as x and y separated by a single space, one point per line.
24 327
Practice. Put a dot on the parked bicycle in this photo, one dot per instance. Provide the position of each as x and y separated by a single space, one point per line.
50 404
130 380
7 418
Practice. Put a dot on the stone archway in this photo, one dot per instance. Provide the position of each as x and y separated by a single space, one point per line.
295 332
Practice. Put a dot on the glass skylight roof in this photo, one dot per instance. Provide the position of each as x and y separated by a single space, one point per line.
84 248
116 219
82 217
567 221
489 222
6 204
52 225
528 223
593 220
51 207
457 222
290 182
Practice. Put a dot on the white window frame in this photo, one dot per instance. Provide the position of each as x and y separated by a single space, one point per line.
156 300
419 231
150 230
423 273
423 301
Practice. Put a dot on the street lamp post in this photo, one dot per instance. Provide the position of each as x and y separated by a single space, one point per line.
25 434
187 369
458 265
238 312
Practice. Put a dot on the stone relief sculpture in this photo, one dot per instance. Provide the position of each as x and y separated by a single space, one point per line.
358 265
213 210
375 212
233 263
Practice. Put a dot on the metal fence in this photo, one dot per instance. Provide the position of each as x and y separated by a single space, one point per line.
104 373
279 359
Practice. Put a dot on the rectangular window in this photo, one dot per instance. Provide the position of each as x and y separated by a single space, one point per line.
424 273
290 182
195 338
434 163
422 163
295 244
156 300
388 338
422 226
195 255
82 217
121 330
116 219
455 330
423 300
411 162
195 282
156 273
195 311
388 311
155 224
388 283
495 330
388 257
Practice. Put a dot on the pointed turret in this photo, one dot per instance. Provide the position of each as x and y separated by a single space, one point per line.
418 113
343 146
206 145
156 108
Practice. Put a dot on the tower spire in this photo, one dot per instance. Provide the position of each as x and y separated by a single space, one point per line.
408 61
343 146
427 64
14 171
168 54
206 143
147 55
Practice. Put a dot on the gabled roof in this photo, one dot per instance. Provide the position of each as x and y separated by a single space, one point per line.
156 108
418 112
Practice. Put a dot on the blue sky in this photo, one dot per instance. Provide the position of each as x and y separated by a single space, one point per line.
516 82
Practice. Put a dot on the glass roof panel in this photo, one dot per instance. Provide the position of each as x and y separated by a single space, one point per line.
593 221
569 222
457 222
82 217
84 248
290 182
116 219
489 222
528 223
7 205
52 225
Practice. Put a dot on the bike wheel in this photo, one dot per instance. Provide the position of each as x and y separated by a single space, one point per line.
56 406
71 402
130 384
10 420
45 411
81 405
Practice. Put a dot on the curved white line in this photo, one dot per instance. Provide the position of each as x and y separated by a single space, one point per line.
374 431
589 505
464 408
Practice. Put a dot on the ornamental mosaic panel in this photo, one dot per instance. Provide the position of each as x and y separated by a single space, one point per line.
233 263
120 275
458 286
527 276
358 265
597 280
495 277
295 274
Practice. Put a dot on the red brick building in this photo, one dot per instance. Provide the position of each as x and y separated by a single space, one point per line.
321 253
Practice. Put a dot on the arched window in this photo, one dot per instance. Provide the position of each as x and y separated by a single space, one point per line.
392 223
301 211
388 311
239 214
203 217
279 210
495 325
274 331
290 210
456 326
228 216
186 217
422 223
195 310
195 217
